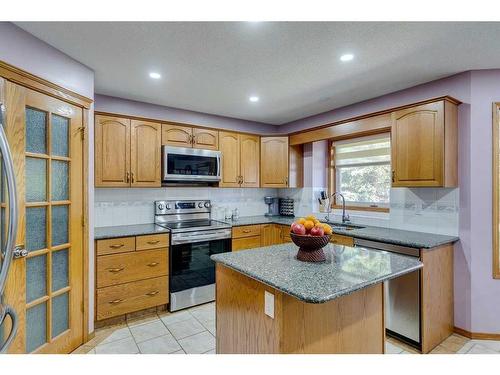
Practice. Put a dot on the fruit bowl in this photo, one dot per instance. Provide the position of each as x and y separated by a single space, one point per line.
310 247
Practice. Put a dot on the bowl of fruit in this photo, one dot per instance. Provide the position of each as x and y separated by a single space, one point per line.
311 237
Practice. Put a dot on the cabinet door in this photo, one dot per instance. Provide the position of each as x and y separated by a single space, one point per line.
418 146
270 235
112 151
176 135
205 139
145 154
274 161
249 160
229 145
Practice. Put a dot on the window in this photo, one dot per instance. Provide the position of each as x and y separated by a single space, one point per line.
362 171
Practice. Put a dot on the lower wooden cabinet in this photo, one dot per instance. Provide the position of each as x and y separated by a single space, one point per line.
131 274
138 295
338 239
270 235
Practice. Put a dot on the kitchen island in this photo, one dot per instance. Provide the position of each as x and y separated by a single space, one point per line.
269 302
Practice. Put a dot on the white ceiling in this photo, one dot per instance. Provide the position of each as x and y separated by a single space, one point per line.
293 67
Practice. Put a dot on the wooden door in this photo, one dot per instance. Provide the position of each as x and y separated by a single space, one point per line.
112 151
145 154
205 139
274 162
229 145
270 235
46 287
417 146
176 135
249 160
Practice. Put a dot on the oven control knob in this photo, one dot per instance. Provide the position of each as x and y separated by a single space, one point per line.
200 205
168 206
207 204
161 207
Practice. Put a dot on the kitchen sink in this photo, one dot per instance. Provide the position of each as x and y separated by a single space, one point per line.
345 226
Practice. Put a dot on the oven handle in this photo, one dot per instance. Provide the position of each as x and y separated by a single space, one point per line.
197 237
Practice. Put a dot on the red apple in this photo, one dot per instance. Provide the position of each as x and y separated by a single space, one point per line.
298 229
317 231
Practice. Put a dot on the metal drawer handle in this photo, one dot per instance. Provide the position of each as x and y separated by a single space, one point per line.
153 242
151 294
116 246
116 301
153 264
116 270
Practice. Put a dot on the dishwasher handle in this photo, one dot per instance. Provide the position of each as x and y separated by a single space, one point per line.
405 250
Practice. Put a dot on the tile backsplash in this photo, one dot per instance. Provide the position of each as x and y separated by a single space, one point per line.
432 210
135 206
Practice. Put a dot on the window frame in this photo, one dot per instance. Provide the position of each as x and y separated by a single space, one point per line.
496 190
332 179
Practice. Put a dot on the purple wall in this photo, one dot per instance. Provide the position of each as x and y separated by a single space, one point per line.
23 50
112 104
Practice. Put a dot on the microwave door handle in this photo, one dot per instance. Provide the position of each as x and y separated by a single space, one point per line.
8 253
218 165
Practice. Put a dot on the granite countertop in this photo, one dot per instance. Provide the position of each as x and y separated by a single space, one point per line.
419 240
346 269
101 233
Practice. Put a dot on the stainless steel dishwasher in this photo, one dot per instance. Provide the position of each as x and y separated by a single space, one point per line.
402 297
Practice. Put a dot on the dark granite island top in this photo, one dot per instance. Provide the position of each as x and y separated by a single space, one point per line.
346 270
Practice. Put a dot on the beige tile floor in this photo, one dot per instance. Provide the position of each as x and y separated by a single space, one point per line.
192 331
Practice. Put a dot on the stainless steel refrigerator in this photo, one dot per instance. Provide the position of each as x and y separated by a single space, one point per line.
8 231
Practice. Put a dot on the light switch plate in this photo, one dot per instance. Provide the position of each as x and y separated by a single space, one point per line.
269 304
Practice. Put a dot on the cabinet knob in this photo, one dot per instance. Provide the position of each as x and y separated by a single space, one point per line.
151 294
153 264
115 270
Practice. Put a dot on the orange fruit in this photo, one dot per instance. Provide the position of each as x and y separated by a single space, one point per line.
327 229
316 222
301 221
308 224
311 218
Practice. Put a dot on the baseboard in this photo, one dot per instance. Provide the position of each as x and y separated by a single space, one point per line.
476 335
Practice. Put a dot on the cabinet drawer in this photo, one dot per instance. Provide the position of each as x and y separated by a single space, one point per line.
246 231
124 268
342 240
115 245
125 298
245 243
153 241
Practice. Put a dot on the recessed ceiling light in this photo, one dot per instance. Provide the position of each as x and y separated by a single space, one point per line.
155 75
347 57
254 99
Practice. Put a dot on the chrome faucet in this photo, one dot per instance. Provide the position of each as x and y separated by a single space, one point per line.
345 216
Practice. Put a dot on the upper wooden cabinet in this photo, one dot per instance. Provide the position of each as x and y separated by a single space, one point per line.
112 151
274 161
424 143
145 154
187 136
127 152
240 159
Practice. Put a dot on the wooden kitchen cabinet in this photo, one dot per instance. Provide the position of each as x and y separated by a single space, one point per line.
240 159
187 136
270 234
425 145
274 162
112 151
127 152
145 154
131 275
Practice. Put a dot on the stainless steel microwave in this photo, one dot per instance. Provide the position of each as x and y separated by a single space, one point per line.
181 165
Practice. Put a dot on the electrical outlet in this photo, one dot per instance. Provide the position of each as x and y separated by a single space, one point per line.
269 304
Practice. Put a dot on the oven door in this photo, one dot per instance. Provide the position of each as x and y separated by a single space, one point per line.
190 164
192 272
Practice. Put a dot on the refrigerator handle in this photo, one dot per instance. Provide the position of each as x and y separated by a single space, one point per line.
13 212
14 323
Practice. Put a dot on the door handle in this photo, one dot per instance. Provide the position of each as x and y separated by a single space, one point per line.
132 179
116 301
151 294
153 264
393 175
127 177
116 246
20 252
153 242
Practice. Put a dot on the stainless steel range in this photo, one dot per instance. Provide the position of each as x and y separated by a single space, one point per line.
194 238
